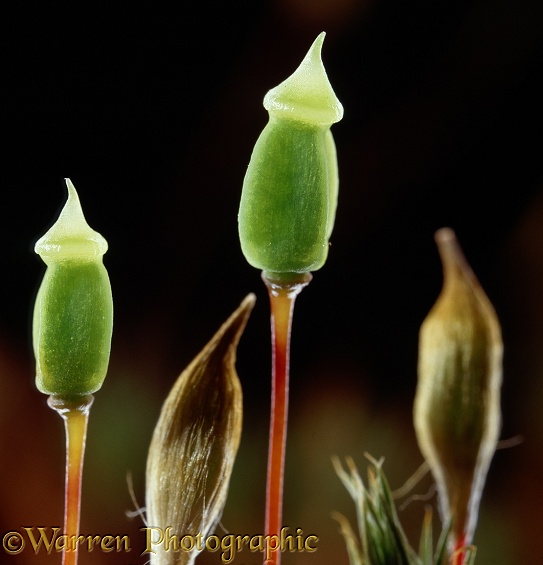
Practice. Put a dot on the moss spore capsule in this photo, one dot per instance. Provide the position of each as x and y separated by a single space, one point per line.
290 190
73 313
457 405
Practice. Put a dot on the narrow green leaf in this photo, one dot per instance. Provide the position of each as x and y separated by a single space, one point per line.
426 546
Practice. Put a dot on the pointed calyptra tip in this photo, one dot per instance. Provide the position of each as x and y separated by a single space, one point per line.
307 94
70 237
454 263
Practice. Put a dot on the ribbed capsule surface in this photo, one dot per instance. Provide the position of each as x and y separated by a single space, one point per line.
73 312
457 405
290 190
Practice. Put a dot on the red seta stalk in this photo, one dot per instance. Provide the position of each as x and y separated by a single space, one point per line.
282 297
75 414
459 553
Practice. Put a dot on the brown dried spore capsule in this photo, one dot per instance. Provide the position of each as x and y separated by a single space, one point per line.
457 405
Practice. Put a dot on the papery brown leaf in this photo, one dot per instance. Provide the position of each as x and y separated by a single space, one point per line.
195 443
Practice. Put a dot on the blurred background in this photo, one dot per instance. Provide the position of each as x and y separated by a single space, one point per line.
153 111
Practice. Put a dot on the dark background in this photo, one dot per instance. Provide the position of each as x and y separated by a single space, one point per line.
152 111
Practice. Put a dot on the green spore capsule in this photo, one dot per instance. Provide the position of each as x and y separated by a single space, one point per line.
289 196
73 313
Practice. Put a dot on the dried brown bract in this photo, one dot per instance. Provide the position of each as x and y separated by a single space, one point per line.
195 442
